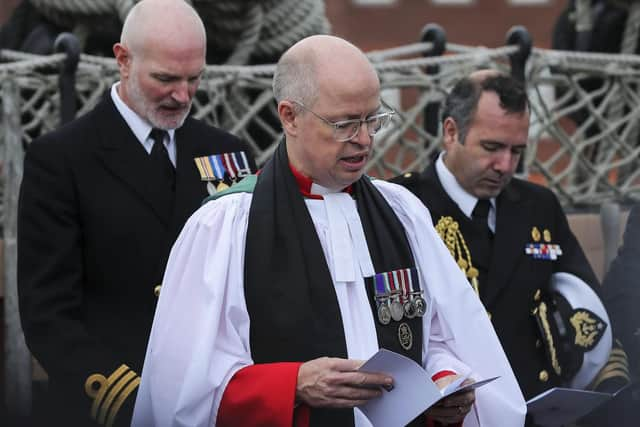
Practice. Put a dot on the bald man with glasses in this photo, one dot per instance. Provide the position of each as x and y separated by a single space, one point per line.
274 292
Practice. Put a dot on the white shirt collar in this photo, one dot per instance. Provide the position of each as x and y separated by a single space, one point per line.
139 126
465 201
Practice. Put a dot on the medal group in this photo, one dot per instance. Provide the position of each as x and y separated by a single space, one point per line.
215 168
398 295
540 250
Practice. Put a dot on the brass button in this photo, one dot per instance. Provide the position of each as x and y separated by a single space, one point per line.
536 296
407 175
534 311
489 314
543 376
156 290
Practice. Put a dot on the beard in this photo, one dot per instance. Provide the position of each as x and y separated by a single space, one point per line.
156 113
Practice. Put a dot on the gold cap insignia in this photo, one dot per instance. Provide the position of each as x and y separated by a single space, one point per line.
589 328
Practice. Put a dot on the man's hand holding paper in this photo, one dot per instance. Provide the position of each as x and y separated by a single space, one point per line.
337 383
454 407
399 406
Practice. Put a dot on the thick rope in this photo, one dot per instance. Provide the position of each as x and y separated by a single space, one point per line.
246 29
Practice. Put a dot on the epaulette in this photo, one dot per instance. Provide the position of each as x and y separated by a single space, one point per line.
247 185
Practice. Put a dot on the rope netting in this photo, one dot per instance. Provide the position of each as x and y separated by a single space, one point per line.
585 110
240 31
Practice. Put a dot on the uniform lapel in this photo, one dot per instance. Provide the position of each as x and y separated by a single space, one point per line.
512 229
441 204
124 156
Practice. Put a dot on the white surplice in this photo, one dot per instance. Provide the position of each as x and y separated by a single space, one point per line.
200 334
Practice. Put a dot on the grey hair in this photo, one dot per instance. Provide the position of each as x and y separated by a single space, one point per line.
295 79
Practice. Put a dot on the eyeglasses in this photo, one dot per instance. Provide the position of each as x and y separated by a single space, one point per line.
346 130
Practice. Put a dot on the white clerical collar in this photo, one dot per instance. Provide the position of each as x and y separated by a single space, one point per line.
465 201
139 126
321 191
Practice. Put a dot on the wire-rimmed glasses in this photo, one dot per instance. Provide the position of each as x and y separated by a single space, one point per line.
346 130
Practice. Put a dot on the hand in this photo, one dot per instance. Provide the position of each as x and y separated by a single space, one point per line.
335 383
453 408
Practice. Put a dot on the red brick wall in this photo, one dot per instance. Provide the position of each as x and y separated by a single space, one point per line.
6 7
485 22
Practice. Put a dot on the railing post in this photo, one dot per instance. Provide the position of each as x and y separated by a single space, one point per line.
519 36
433 33
67 43
17 356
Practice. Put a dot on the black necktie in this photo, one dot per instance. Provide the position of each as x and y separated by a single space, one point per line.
161 164
480 215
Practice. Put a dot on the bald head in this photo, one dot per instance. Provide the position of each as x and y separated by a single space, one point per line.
320 81
316 61
152 22
161 57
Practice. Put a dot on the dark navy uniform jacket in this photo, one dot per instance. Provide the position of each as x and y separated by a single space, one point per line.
93 241
509 278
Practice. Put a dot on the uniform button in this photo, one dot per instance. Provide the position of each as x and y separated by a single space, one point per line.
543 376
536 296
489 314
156 290
407 175
538 343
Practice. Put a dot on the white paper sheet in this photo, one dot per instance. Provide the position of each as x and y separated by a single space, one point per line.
413 391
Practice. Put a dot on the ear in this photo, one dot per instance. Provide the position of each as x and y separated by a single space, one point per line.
287 114
123 58
449 133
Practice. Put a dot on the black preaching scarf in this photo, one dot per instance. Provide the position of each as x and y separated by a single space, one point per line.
289 291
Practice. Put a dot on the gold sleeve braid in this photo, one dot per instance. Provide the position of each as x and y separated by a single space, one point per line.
617 367
109 394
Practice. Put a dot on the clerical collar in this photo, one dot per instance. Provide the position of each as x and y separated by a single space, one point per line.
310 189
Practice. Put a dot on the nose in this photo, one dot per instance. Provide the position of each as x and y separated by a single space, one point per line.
181 92
504 162
362 137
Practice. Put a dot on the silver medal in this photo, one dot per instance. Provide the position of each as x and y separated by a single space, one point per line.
384 314
421 306
409 309
397 311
